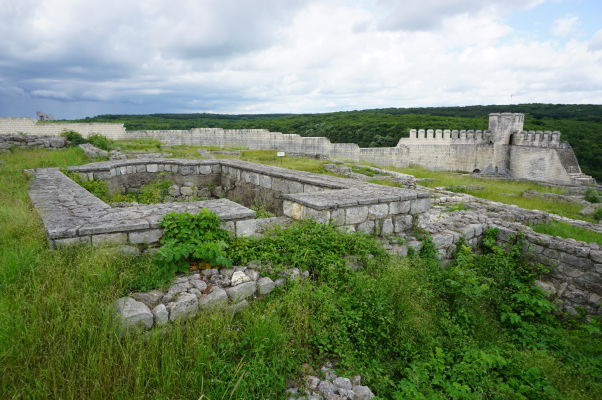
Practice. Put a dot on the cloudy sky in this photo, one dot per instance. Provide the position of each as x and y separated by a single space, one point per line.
77 58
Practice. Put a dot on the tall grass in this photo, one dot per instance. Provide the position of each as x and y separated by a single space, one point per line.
389 323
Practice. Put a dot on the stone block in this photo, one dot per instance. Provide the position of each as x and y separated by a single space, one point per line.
152 168
418 206
145 237
337 216
185 306
216 298
205 169
265 285
245 228
321 216
295 187
293 210
265 181
387 226
378 211
367 226
356 215
134 313
241 291
280 185
402 223
71 241
161 315
109 238
399 207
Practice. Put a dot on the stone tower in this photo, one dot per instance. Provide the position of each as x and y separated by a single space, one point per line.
502 126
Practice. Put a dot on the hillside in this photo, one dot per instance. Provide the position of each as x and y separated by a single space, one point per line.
581 125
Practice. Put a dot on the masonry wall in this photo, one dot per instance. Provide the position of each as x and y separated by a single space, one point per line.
538 164
32 127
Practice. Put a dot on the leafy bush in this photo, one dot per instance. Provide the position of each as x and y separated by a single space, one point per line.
154 192
73 138
309 246
591 195
98 188
192 238
598 214
101 142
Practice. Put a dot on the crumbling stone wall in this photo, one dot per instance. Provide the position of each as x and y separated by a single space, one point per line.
31 142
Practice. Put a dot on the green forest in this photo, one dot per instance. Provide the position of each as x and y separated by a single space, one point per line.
580 124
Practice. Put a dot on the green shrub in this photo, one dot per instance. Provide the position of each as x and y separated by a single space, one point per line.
73 138
591 195
154 192
598 214
192 238
101 142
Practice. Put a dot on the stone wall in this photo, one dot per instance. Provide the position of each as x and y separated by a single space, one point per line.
72 215
31 142
32 127
575 280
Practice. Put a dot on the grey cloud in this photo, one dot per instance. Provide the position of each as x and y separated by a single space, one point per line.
425 15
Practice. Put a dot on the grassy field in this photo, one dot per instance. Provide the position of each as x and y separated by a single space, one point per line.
507 192
562 229
412 329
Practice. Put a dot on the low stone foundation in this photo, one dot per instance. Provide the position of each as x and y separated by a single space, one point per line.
73 215
32 142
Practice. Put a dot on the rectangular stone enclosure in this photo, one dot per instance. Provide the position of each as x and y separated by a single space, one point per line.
73 215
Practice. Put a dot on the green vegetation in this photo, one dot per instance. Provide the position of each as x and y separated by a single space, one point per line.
580 124
366 171
478 329
191 238
75 139
151 193
562 229
592 195
508 192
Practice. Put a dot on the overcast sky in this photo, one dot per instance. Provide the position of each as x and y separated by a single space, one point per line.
77 58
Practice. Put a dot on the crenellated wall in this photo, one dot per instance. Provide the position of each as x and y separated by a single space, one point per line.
32 127
503 149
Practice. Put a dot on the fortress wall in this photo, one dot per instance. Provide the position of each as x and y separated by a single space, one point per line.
446 136
32 127
537 139
538 164
391 156
450 157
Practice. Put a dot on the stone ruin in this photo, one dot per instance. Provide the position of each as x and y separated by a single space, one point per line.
72 215
503 150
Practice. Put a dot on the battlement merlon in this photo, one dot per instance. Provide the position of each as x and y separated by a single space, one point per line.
537 139
435 136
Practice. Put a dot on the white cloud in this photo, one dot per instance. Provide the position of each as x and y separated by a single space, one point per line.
596 42
274 56
565 26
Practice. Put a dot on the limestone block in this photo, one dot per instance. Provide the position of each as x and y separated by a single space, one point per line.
186 191
419 206
321 216
204 169
265 285
185 306
356 215
134 313
71 241
292 209
161 315
295 187
241 291
399 207
337 217
367 226
387 226
216 298
146 237
265 181
109 238
246 227
280 185
402 223
378 211
152 168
